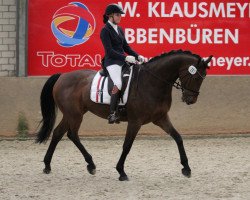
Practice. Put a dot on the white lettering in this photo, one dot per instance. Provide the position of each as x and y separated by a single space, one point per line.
197 35
193 9
87 60
129 34
242 8
237 61
169 37
127 8
58 60
176 10
72 59
152 9
152 34
141 36
218 36
186 9
45 56
204 12
163 13
217 11
191 35
231 10
180 36
234 37
206 36
220 61
229 62
245 59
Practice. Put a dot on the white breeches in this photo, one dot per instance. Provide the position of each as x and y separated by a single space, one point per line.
115 73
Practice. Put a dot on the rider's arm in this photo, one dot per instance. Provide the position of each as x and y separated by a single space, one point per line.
127 48
109 51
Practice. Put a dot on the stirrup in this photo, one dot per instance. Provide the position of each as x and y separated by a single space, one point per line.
113 118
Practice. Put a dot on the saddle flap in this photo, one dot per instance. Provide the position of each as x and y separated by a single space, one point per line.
102 86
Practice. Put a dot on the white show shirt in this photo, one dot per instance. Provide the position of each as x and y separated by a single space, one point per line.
114 26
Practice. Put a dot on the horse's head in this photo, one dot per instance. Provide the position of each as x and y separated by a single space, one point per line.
191 77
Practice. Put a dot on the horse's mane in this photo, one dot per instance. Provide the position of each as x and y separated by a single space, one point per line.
180 51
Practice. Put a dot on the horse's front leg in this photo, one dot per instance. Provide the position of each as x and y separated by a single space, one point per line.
132 130
167 126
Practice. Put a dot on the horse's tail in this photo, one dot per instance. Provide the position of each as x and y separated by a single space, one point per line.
48 109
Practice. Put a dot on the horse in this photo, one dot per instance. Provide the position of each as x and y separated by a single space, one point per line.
149 100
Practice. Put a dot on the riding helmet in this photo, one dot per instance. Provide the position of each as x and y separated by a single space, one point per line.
113 8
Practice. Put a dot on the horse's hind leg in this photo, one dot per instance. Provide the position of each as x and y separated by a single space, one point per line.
58 133
167 126
73 136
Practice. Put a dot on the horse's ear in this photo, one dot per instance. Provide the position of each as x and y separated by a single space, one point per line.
208 60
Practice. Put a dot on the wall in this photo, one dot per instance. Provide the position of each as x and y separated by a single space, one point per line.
7 37
222 107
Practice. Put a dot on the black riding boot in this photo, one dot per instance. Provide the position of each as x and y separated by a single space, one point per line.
113 117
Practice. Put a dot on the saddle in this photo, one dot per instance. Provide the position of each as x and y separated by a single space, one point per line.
102 85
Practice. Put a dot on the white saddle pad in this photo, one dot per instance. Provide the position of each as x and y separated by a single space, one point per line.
99 89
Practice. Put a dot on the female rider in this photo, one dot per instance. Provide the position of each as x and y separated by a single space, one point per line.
115 45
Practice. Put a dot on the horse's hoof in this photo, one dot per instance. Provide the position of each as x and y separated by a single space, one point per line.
123 178
91 169
46 171
186 172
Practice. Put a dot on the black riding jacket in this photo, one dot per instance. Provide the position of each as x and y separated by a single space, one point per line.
115 46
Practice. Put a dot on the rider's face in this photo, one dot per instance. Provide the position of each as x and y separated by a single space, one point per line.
116 18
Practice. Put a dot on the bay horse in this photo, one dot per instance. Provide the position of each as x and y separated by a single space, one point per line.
149 100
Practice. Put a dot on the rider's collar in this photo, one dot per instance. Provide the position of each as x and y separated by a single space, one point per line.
114 26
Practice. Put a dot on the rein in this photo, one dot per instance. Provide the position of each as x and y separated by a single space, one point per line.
175 84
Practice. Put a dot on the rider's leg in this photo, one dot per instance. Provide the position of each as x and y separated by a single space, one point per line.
115 75
115 96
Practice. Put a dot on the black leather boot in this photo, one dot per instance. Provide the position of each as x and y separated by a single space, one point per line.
114 117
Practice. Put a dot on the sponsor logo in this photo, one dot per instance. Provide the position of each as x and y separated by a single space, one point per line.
73 24
52 59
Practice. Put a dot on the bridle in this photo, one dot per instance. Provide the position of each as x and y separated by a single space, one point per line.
194 93
175 84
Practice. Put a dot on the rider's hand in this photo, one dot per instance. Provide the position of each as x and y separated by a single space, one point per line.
141 59
130 59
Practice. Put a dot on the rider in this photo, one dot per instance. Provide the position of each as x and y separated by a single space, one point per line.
115 46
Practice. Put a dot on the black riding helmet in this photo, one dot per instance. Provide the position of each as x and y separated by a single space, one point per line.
113 8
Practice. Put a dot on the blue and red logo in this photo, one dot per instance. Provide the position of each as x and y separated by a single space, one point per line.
73 24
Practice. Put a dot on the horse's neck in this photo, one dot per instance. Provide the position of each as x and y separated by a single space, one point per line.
166 68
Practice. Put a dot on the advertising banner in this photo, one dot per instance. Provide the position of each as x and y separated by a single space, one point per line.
65 35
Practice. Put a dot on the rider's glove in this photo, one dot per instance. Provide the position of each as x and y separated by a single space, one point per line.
130 59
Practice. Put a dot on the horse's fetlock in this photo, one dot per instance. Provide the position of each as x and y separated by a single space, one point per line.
90 161
119 168
46 161
185 164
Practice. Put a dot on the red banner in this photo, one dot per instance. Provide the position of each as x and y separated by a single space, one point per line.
65 35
